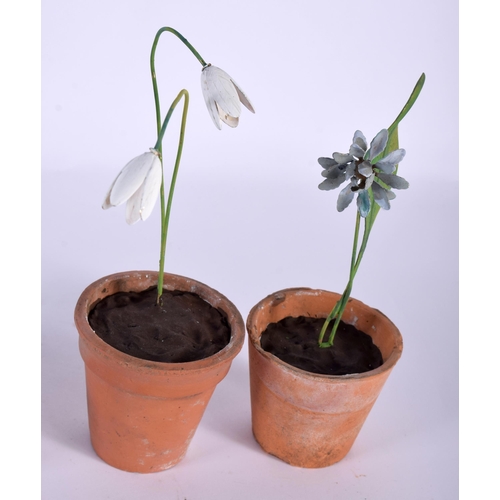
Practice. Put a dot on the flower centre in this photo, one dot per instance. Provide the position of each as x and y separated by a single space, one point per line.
360 178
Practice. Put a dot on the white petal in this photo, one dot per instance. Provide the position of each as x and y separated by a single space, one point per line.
214 113
106 203
141 204
129 179
151 190
243 97
228 120
222 90
209 101
132 209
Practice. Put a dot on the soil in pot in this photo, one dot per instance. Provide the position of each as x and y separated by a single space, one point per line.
295 341
183 328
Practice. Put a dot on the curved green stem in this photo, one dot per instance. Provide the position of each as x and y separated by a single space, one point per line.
165 210
165 213
153 70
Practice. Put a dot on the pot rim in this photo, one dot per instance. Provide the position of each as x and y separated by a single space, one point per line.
254 338
171 281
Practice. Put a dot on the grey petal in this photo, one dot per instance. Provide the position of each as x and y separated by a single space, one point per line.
363 202
345 198
334 172
390 195
380 196
395 156
388 164
350 170
393 181
342 158
365 168
386 167
329 184
378 144
360 140
327 162
369 181
356 150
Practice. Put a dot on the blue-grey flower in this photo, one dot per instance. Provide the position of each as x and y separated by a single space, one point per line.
361 168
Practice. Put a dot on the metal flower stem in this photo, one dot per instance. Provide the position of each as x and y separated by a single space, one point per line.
340 306
153 70
165 211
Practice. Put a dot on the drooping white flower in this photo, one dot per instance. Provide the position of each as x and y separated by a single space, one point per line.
223 96
138 184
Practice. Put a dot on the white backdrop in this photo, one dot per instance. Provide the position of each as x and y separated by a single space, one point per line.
248 220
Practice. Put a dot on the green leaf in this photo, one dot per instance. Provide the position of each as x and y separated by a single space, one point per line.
409 104
392 144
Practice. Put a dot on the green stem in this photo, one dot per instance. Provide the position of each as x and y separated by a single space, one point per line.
165 214
159 127
356 258
338 305
153 70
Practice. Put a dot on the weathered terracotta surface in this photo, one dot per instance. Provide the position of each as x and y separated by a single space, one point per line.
143 414
306 419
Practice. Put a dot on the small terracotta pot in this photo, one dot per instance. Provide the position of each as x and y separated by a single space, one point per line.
143 414
306 419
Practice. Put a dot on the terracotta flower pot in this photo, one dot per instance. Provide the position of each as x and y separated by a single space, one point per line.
306 419
143 414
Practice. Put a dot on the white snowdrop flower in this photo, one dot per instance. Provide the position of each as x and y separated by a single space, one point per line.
138 184
223 96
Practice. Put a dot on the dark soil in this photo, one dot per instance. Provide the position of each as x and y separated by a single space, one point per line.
295 341
183 328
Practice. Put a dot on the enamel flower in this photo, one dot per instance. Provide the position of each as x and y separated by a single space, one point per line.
138 184
358 168
222 96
